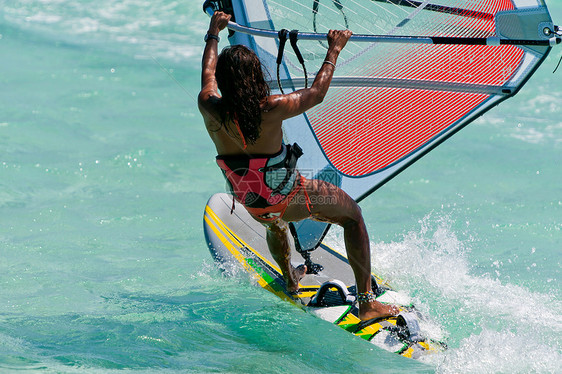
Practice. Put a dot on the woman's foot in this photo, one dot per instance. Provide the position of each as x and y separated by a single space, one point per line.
374 309
296 274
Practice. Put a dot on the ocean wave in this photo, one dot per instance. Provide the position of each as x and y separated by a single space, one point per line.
160 28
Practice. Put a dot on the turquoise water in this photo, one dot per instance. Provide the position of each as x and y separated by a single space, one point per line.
105 168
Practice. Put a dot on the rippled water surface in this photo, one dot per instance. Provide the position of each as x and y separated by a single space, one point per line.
105 168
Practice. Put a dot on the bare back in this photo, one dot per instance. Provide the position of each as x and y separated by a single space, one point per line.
228 141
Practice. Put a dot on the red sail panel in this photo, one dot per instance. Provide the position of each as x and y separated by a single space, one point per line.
363 130
451 63
379 126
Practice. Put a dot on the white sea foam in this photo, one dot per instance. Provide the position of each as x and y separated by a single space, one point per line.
492 326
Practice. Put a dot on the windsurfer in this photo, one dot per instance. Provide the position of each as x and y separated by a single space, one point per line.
245 124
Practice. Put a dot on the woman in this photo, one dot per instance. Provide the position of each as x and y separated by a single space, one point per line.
245 126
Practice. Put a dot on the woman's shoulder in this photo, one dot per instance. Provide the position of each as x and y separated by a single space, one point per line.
270 103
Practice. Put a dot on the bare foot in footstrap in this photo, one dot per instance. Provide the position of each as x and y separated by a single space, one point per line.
374 309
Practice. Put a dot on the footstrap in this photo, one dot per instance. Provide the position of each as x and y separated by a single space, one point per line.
319 298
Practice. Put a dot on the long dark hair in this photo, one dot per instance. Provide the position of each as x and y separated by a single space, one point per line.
242 84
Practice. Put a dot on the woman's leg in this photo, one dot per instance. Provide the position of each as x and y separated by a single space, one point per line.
277 236
331 204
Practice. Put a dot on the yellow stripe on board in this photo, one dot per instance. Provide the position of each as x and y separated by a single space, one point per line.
429 347
369 330
408 352
309 294
214 222
349 319
237 255
235 237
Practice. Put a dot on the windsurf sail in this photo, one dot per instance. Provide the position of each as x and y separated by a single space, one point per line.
413 74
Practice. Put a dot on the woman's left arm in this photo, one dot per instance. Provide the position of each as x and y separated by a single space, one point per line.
209 87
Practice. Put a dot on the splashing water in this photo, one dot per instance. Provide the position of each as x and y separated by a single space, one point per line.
487 323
